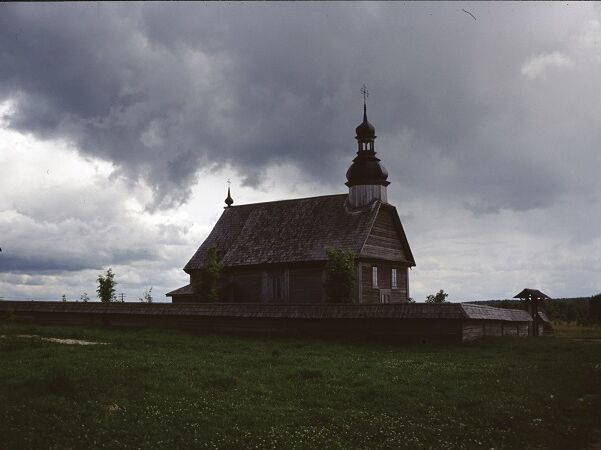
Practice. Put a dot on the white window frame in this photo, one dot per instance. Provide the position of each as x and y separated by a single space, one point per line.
374 276
394 279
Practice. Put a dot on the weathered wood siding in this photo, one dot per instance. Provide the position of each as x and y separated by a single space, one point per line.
306 285
247 286
493 329
384 240
195 280
475 329
472 330
275 285
271 285
183 299
368 293
371 294
389 329
402 289
299 284
364 194
421 321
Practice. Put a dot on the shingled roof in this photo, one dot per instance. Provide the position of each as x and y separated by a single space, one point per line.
184 290
297 230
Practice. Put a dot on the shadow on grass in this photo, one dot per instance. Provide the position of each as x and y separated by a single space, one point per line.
56 382
222 382
306 375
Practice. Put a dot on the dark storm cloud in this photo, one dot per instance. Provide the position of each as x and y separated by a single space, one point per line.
46 263
164 91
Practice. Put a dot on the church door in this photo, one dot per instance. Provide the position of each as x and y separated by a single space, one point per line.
278 286
275 288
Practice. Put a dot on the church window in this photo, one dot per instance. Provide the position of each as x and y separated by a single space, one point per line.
374 276
394 278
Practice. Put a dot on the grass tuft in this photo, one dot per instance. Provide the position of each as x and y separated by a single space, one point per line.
307 374
56 381
222 382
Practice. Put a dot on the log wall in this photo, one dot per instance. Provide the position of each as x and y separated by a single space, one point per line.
266 285
400 321
306 285
371 294
384 240
475 329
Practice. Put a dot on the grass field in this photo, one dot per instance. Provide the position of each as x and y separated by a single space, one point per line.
572 330
168 389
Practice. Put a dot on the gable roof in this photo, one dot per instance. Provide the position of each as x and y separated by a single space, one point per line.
285 231
184 290
405 254
543 317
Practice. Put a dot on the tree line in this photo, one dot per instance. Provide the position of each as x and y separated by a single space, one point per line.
579 310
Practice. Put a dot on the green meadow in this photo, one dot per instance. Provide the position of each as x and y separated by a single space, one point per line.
170 389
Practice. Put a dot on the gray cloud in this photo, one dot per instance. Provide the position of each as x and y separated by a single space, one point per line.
478 121
71 228
163 91
57 240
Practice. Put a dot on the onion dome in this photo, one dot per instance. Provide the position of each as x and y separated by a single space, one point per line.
366 169
365 131
229 201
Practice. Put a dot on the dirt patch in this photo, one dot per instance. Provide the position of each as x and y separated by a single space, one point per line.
58 340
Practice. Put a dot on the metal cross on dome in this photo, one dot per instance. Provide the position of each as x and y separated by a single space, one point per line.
365 92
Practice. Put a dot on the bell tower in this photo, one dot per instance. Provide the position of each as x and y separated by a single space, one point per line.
367 178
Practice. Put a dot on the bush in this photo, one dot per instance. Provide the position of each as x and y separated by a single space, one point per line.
439 297
340 275
147 297
210 274
106 287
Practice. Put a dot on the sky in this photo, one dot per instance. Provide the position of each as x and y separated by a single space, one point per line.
120 125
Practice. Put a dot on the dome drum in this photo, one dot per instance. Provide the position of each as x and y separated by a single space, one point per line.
366 169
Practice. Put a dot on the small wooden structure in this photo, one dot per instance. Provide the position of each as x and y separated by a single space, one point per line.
532 299
545 326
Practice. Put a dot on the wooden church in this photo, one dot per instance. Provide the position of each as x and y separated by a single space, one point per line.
275 252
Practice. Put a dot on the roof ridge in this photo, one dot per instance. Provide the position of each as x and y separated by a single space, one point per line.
286 200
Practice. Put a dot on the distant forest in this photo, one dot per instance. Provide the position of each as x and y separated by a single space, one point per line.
581 310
